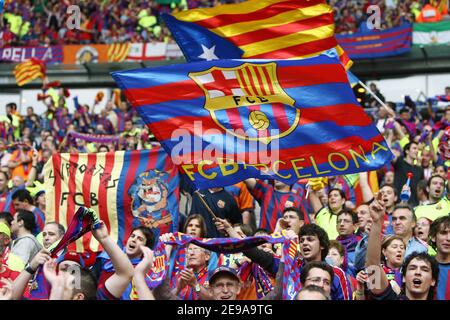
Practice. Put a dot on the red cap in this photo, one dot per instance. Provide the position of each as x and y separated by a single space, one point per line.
410 175
86 259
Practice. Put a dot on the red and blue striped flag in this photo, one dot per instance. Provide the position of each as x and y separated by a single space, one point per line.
377 44
224 121
125 188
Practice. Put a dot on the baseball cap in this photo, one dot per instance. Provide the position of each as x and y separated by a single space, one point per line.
5 229
85 259
223 269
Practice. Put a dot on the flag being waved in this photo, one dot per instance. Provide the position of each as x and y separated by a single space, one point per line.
125 189
29 70
227 120
118 52
256 29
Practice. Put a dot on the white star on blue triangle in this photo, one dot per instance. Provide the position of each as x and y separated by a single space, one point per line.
208 53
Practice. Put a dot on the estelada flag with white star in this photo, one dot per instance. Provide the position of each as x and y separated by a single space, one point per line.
256 29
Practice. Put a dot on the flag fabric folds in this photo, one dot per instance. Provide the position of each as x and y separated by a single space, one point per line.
377 44
352 79
353 182
431 34
100 138
29 70
227 120
262 29
126 189
82 222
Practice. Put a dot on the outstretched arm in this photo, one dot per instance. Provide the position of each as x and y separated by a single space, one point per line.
365 187
119 281
20 283
377 281
315 201
140 272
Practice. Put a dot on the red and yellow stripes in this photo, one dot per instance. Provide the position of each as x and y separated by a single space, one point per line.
272 29
256 81
79 179
29 70
118 52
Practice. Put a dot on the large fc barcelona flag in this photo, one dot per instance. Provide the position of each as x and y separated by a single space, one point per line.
125 188
227 120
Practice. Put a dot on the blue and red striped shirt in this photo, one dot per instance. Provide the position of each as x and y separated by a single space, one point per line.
39 217
443 286
273 202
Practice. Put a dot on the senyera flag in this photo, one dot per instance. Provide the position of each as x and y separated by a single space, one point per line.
256 29
29 70
125 188
227 120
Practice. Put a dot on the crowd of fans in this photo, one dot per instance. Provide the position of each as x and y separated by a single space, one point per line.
337 222
339 235
45 22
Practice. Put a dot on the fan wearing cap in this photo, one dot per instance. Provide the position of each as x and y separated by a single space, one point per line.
31 286
224 283
72 270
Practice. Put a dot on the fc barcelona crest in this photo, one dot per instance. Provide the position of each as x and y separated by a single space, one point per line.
248 101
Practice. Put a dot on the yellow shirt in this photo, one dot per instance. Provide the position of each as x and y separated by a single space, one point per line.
327 221
433 211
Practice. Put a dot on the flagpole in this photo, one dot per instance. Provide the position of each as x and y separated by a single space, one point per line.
376 98
205 204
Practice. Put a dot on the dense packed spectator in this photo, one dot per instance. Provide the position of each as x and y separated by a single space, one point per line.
46 22
336 233
399 231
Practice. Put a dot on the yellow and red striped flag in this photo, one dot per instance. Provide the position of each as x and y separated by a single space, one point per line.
268 29
29 70
118 52
115 185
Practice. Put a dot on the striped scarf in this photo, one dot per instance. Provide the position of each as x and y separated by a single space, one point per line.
83 220
100 138
250 270
291 274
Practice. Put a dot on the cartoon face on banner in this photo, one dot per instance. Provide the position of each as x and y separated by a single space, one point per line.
149 199
247 101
